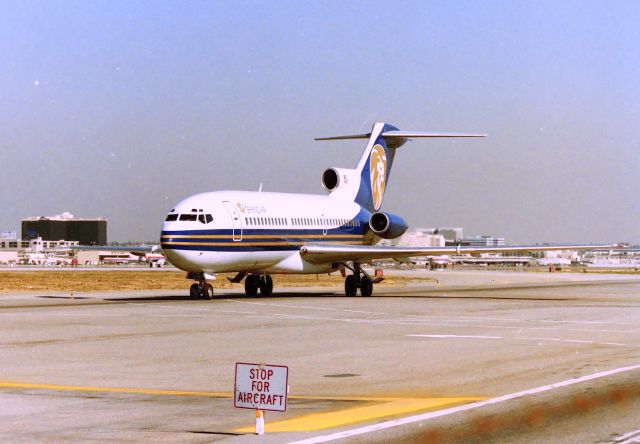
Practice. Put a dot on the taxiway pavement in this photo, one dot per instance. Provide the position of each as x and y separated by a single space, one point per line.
515 356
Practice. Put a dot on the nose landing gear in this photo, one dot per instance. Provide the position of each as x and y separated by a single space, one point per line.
202 289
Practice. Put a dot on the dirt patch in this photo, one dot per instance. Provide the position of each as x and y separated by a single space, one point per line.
111 280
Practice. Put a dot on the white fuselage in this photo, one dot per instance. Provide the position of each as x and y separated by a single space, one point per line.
258 232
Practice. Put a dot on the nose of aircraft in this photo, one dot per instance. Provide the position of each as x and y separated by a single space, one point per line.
170 243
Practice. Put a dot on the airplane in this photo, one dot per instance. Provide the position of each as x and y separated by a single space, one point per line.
256 234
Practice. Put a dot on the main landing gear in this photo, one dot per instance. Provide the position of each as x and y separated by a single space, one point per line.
359 279
202 289
255 282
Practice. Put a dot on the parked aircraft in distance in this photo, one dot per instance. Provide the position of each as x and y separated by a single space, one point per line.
256 234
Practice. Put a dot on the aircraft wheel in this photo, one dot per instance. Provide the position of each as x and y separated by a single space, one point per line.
366 286
207 291
266 285
350 286
194 291
251 285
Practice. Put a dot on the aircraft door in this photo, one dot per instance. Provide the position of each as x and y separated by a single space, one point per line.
236 220
324 222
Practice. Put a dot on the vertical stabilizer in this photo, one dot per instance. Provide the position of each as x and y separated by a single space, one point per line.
374 168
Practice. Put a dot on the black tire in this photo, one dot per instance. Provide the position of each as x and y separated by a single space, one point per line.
251 285
350 285
366 286
266 285
207 291
194 291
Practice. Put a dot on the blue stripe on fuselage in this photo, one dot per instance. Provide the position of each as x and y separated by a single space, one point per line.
292 239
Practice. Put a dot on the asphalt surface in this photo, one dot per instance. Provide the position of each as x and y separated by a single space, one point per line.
462 357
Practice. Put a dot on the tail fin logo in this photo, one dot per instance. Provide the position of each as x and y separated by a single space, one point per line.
377 174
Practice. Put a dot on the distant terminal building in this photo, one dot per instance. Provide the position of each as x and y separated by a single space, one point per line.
65 226
451 236
421 237
481 241
8 235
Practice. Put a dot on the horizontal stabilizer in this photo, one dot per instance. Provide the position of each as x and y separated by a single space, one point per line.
397 134
410 134
354 136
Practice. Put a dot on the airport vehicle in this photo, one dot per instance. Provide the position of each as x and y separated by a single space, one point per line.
439 261
256 234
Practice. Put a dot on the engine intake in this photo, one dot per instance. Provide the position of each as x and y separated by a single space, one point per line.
387 225
330 179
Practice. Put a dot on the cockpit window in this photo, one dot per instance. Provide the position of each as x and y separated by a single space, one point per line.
188 217
205 218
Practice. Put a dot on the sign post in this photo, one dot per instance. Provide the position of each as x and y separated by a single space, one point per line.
261 387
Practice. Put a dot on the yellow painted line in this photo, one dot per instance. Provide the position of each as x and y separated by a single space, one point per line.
383 407
147 391
338 418
80 388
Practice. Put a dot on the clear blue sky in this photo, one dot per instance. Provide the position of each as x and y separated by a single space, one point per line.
121 109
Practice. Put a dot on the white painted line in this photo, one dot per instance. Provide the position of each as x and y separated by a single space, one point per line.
457 336
474 405
635 439
624 438
271 304
576 341
523 338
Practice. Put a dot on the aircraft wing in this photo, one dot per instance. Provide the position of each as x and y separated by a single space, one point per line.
323 253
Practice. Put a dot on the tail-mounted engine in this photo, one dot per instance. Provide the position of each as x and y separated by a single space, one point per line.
387 225
334 179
